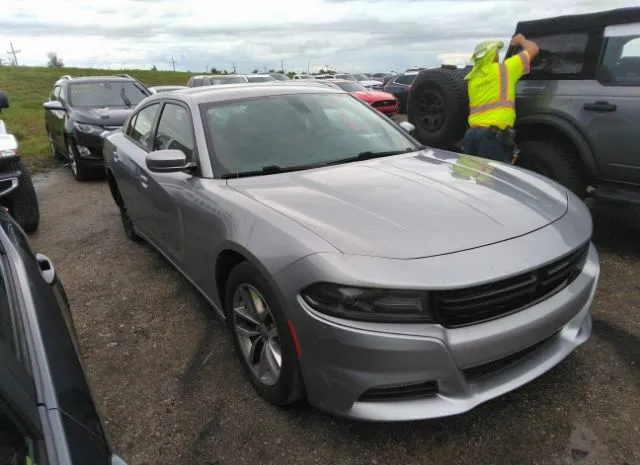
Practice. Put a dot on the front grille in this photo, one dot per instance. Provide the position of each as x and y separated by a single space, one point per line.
401 392
462 307
491 368
384 103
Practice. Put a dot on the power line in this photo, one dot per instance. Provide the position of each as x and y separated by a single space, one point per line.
14 52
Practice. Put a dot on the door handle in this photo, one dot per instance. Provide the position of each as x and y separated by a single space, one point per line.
143 181
115 156
600 106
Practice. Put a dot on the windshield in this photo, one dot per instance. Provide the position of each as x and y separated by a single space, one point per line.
260 78
218 80
100 94
361 77
305 76
303 130
348 77
351 86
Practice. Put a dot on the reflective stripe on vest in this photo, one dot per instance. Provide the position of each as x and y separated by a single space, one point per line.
503 101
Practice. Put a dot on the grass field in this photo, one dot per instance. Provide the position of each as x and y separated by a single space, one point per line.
28 87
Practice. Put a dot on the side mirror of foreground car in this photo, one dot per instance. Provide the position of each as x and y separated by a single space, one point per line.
168 161
53 105
4 100
46 268
117 460
407 126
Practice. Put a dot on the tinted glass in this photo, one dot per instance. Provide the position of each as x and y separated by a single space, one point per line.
174 130
560 54
143 124
406 79
348 77
55 93
7 328
105 94
351 86
305 77
217 80
295 130
260 78
361 77
621 60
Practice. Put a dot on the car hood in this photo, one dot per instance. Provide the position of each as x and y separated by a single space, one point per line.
103 116
373 95
411 206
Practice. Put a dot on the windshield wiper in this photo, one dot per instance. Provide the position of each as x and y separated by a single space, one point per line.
269 169
369 154
126 101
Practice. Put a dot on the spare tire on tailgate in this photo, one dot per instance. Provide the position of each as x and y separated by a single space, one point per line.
438 106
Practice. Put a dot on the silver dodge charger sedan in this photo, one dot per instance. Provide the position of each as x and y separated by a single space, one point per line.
379 278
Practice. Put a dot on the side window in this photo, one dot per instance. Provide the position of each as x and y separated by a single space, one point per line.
132 122
404 79
63 95
197 82
175 130
620 65
143 125
561 55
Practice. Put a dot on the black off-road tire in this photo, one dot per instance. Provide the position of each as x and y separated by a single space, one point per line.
551 159
22 202
438 106
289 388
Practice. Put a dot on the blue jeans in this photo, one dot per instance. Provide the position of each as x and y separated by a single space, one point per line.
477 141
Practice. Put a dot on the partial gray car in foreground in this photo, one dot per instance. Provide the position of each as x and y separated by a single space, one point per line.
381 279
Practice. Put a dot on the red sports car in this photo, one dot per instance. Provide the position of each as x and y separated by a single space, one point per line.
381 101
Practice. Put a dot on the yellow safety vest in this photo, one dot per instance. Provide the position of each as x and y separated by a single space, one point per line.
492 96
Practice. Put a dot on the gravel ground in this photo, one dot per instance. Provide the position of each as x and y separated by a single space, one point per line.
171 390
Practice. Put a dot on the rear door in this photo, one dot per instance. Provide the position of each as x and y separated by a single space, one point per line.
129 164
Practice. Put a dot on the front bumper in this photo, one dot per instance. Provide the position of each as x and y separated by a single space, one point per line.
89 148
344 361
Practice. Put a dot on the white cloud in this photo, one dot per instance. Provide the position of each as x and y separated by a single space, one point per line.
357 35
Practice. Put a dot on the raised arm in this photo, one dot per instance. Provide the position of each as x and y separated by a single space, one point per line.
528 45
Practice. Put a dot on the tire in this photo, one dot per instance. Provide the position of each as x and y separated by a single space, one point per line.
551 159
22 202
288 387
438 106
78 169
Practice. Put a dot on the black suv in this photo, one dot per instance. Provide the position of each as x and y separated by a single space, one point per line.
81 110
578 111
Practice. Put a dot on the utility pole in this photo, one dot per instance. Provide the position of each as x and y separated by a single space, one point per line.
173 63
308 67
233 65
265 68
14 52
282 65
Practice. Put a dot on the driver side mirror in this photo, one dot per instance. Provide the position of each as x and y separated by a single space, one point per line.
46 268
168 161
4 100
407 126
53 105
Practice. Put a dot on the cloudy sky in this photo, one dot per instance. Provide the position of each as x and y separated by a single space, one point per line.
348 35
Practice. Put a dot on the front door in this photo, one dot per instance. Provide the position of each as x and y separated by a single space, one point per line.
612 111
166 192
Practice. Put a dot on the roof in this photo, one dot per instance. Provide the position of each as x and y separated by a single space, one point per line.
228 92
113 78
575 22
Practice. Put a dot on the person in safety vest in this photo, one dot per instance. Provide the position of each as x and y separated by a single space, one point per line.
492 94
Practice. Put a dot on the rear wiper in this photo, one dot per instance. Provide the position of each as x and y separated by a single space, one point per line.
124 98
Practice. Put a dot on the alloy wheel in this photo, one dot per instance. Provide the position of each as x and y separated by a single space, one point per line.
72 159
257 334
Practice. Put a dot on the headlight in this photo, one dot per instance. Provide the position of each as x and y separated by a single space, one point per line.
88 128
8 153
368 304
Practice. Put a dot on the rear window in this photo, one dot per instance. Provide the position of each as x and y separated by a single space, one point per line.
406 79
351 86
260 78
218 80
